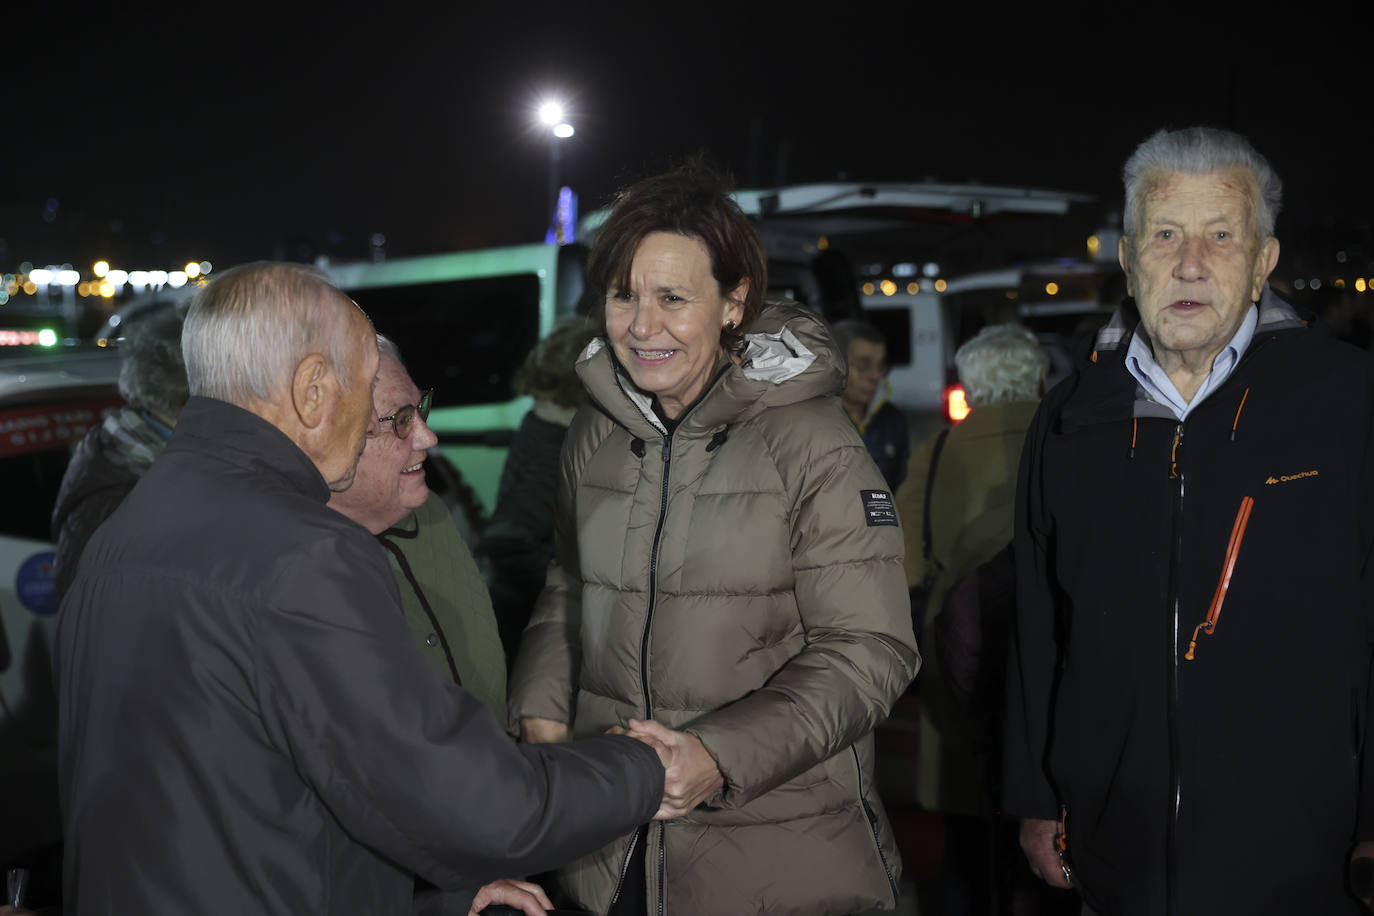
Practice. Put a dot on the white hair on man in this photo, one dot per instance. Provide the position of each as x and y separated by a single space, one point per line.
1200 151
386 347
1002 362
251 326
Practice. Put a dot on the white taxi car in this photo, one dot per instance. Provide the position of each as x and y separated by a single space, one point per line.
49 398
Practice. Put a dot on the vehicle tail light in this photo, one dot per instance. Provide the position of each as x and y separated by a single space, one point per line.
956 406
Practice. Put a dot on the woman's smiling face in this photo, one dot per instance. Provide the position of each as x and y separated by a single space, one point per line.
665 329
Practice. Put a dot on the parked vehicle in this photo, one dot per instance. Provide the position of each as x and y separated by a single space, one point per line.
925 322
49 398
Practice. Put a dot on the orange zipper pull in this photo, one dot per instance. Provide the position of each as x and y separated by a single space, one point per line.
1209 625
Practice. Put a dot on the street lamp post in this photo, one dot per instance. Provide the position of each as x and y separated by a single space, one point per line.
551 116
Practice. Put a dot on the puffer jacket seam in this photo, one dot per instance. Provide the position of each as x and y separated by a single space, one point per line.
866 561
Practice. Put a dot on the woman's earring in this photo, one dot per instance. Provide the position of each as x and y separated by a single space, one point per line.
730 324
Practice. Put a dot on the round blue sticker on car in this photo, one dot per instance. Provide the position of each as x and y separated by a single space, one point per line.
36 585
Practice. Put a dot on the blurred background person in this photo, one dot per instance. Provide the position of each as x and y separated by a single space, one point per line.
518 542
727 564
113 456
961 494
445 601
867 398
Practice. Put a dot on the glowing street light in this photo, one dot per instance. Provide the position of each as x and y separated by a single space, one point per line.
553 116
550 113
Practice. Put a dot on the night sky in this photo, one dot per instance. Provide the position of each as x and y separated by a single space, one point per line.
274 132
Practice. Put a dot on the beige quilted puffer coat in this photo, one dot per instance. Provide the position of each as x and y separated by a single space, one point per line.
740 579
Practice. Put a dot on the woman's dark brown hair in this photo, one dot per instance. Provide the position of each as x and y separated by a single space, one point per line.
691 200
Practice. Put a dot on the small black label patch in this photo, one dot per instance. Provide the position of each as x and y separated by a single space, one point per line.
879 508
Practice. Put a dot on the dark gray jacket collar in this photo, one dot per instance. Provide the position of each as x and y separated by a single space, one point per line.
246 440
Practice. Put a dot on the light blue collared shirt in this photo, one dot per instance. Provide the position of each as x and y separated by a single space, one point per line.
1141 363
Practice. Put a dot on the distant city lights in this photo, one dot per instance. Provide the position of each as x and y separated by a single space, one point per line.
105 281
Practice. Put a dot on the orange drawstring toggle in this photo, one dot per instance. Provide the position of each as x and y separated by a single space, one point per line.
1207 625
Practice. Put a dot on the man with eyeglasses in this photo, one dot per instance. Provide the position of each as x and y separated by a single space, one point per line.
867 398
245 725
446 603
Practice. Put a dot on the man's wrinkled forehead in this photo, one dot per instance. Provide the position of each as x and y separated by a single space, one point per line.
1223 186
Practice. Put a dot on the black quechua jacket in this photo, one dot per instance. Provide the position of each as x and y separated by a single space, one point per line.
247 727
1190 667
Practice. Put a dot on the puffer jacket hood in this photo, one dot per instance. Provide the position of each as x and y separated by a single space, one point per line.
738 578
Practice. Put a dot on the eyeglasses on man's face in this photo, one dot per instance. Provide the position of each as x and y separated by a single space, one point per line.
403 421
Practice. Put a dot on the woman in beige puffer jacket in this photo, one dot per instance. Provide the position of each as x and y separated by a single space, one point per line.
731 570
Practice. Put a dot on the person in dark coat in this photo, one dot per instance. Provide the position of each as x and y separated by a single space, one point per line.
246 725
867 398
114 455
517 544
1190 663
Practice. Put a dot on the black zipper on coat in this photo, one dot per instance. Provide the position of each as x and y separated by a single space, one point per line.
1174 644
1175 776
662 868
873 825
653 577
649 622
624 868
649 616
644 655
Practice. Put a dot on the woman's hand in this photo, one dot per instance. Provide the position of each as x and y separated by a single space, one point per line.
692 775
525 896
544 731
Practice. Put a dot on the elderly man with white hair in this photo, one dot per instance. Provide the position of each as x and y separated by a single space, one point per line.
245 723
1190 673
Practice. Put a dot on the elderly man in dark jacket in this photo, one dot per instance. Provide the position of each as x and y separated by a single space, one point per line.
246 726
1188 694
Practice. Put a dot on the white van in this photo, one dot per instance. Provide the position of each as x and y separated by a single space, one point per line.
925 322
